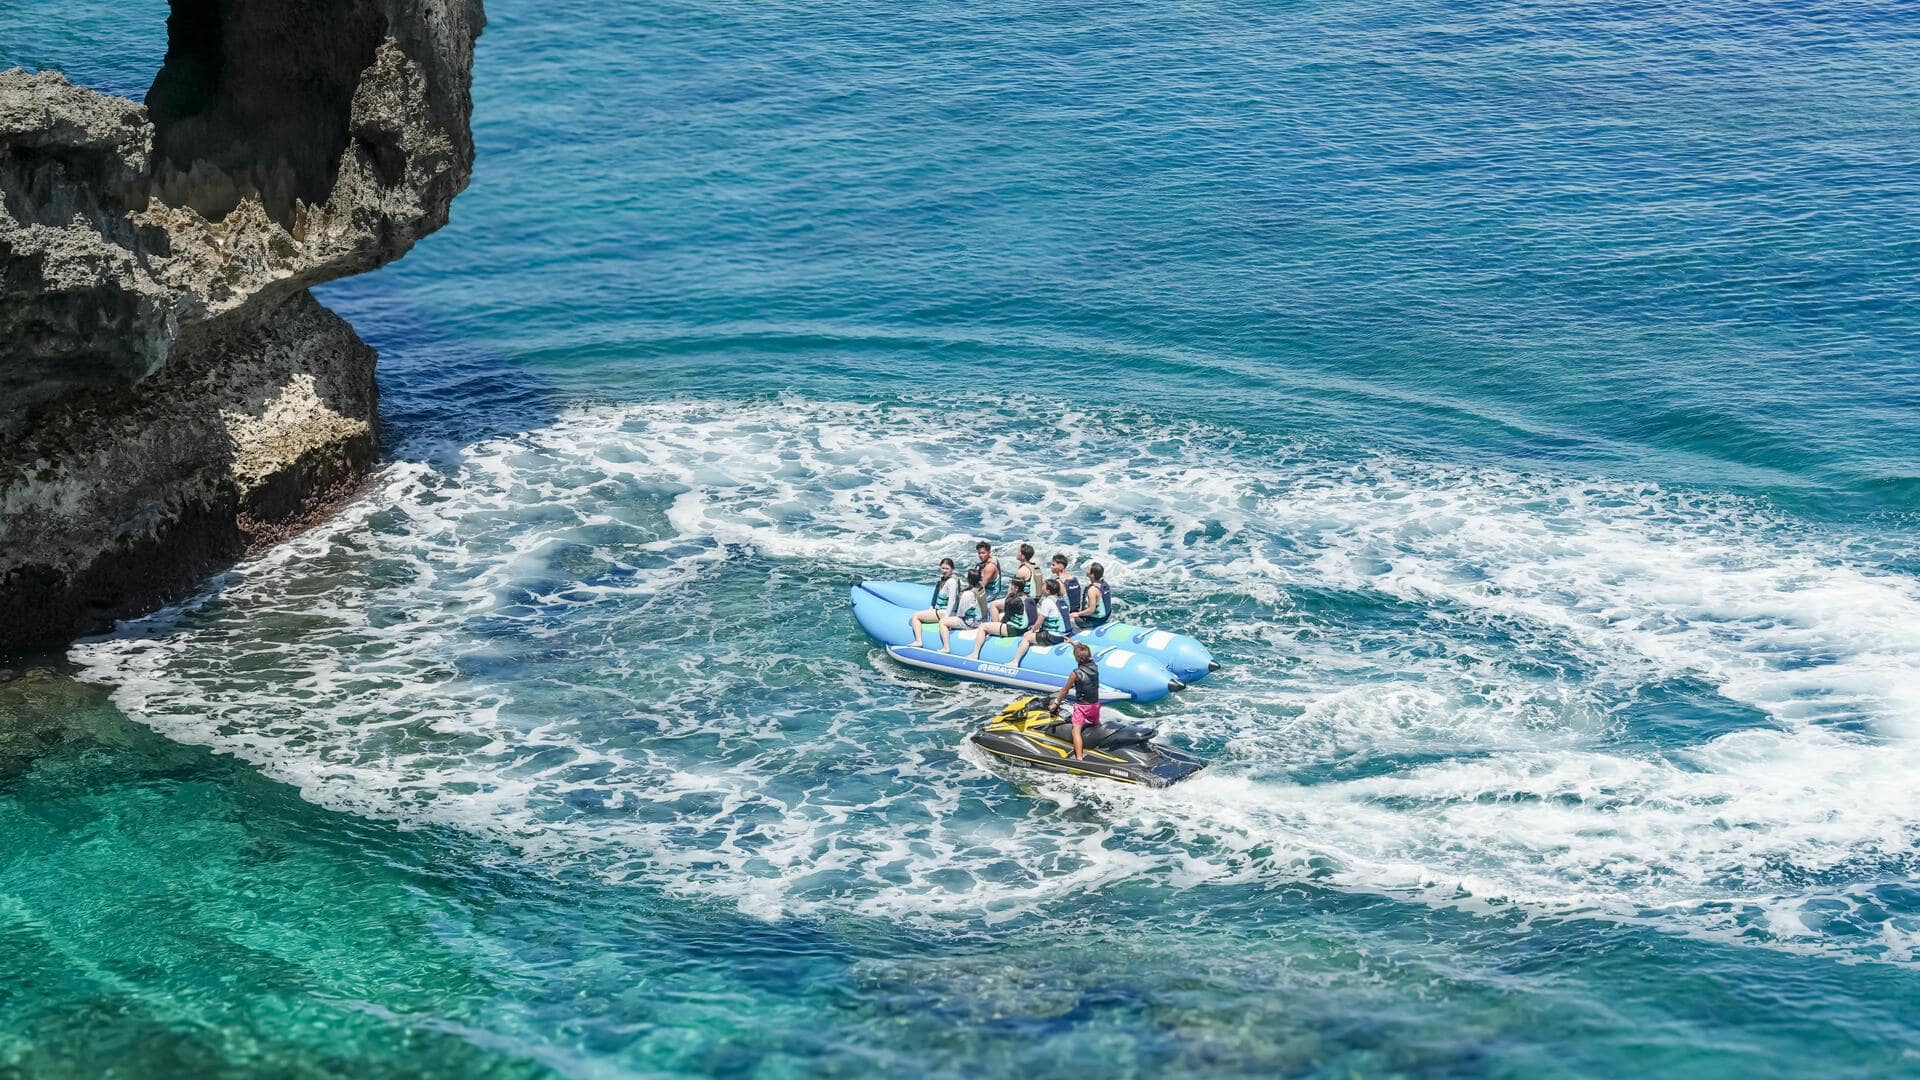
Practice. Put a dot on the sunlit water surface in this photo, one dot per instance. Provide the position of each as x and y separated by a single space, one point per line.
1524 403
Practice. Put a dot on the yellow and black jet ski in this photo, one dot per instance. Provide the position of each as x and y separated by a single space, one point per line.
1027 732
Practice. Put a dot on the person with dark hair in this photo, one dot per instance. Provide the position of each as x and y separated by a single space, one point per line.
1096 604
1017 616
1051 623
946 601
1084 685
1050 626
991 581
1071 591
1027 571
967 615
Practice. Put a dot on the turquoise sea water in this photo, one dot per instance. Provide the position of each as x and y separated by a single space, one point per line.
1523 399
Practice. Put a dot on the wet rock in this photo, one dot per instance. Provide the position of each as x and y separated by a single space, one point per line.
170 393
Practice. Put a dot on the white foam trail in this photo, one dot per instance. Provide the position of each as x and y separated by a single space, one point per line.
542 642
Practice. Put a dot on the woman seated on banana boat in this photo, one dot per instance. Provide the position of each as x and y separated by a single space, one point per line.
1018 613
1051 623
946 601
969 613
1039 610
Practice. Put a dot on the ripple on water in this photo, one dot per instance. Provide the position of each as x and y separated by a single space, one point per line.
616 642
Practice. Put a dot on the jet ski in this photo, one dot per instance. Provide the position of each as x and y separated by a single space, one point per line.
1030 733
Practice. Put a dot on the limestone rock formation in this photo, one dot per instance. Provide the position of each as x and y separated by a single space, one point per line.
170 393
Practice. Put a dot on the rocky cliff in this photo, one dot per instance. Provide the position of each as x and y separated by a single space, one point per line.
170 393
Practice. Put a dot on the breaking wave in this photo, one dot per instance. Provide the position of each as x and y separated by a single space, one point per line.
620 641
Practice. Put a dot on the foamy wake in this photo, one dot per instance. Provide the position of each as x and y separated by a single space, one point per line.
563 641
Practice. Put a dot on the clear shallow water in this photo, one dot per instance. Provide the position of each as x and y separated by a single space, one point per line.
1522 402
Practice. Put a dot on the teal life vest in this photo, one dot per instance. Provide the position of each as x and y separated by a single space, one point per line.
1018 614
1104 609
1056 620
997 588
946 595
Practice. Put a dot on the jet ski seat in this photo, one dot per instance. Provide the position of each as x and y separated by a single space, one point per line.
1103 736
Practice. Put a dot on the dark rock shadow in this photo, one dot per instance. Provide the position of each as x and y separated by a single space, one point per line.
439 391
226 130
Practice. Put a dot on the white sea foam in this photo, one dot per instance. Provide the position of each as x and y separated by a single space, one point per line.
562 640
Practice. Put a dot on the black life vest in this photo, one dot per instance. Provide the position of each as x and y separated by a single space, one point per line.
1076 593
1085 681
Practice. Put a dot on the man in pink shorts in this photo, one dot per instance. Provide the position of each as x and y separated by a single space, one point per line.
1084 685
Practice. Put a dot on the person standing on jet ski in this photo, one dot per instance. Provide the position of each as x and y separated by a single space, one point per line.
1096 605
1084 685
946 601
1018 612
1050 627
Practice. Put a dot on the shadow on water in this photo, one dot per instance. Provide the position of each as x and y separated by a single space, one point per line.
439 391
438 395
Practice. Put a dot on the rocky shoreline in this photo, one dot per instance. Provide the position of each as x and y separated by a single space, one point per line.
171 394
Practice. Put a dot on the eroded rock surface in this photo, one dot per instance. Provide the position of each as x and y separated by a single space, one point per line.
170 393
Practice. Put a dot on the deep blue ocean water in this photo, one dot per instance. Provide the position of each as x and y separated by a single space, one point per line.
1524 400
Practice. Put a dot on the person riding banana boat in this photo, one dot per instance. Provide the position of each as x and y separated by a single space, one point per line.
1017 614
1020 638
1094 605
1051 624
1026 572
946 602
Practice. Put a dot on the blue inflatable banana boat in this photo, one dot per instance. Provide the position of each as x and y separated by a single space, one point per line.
1183 655
884 609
